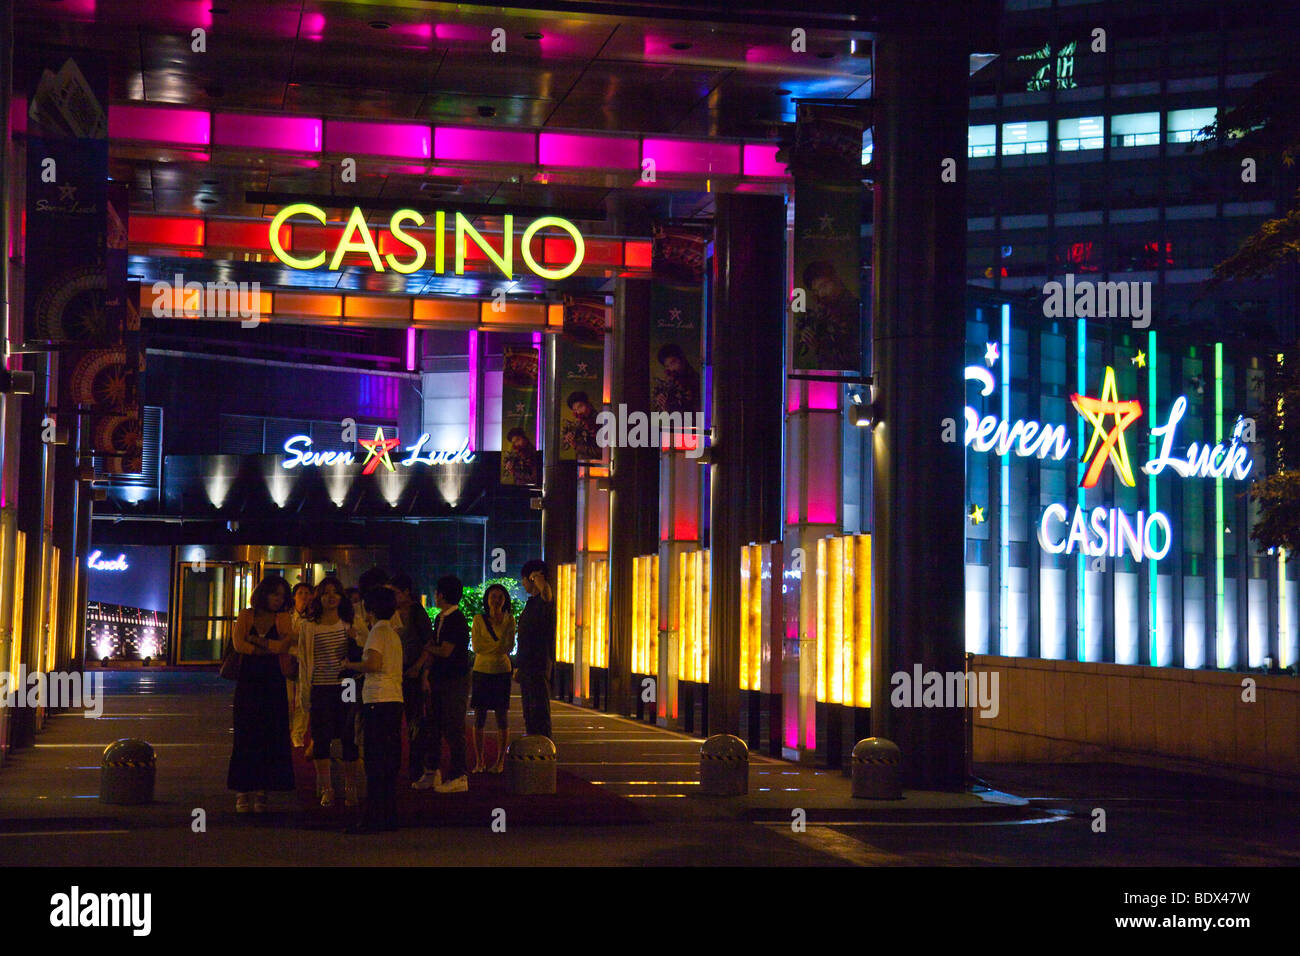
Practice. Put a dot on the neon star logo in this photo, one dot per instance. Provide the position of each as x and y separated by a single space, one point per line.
1140 360
976 514
1107 444
991 354
377 450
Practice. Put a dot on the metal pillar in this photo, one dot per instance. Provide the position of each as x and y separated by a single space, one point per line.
634 485
918 287
748 325
559 478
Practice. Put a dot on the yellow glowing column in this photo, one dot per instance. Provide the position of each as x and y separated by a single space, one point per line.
863 598
19 582
598 629
566 579
751 617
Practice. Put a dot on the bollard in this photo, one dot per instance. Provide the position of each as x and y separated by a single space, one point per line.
724 766
126 774
530 765
877 766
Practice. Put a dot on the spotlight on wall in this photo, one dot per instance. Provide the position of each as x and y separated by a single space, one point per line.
862 406
17 382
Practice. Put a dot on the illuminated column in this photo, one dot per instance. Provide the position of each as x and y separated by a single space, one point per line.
748 324
679 532
634 484
918 289
813 497
593 546
559 478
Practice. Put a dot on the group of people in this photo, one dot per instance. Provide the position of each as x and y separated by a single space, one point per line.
353 664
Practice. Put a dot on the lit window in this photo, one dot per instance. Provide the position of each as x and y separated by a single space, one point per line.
981 141
1185 125
1135 129
1019 138
1081 132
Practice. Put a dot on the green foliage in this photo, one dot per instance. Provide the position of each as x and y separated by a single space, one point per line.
471 602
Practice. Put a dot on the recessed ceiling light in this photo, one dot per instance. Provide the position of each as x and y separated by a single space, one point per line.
379 24
207 200
681 45
532 35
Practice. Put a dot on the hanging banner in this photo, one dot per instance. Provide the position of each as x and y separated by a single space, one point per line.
521 464
676 320
66 209
580 389
825 303
586 317
677 253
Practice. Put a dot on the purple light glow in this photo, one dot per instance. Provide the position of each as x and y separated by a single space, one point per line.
484 145
295 133
409 141
457 31
313 27
18 114
473 389
157 124
824 395
410 349
760 160
692 156
588 152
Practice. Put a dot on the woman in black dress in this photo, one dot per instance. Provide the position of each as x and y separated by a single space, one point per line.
261 759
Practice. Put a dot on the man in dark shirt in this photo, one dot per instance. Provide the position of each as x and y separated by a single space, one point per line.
416 633
535 648
444 666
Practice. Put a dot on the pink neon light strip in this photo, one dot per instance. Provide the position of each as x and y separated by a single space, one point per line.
158 124
473 388
692 156
588 152
760 160
245 131
462 144
377 139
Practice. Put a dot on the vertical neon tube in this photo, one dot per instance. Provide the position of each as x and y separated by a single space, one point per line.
1220 623
1152 379
1283 635
473 389
1004 518
1081 560
541 367
410 348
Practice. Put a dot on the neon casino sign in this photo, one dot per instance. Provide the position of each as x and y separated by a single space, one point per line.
1105 532
96 562
378 452
357 238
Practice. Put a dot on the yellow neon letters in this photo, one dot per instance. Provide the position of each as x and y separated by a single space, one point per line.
357 237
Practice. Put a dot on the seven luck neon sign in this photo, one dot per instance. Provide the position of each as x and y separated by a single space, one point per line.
378 451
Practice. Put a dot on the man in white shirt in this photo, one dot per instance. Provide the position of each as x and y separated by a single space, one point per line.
381 710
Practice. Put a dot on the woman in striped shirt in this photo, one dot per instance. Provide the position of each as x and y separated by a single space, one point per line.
322 647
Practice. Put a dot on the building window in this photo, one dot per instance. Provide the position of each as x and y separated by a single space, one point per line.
1185 125
1081 132
1135 129
981 141
1021 138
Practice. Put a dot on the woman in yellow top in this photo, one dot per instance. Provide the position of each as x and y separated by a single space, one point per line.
493 639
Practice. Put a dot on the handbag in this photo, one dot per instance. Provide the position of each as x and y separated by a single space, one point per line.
231 661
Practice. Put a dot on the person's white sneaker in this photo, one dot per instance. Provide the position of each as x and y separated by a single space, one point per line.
459 785
429 781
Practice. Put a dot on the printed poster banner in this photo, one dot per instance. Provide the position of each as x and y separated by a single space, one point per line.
66 208
521 464
678 251
580 389
676 323
586 317
825 304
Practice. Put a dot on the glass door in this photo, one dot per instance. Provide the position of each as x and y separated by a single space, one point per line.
208 607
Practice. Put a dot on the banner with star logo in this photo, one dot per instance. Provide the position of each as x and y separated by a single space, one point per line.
580 390
826 301
676 324
520 462
66 209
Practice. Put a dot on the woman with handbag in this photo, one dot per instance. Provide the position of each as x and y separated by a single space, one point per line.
493 638
322 646
263 642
